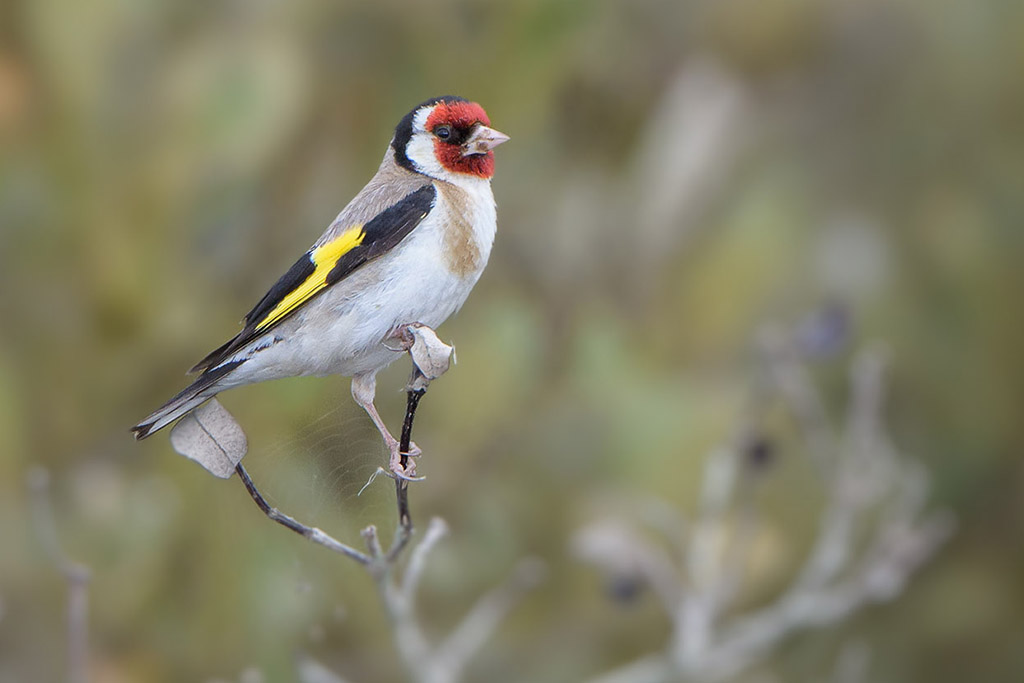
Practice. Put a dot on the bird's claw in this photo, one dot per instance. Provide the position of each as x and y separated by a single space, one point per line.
408 471
401 474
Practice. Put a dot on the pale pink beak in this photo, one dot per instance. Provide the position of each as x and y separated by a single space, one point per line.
482 141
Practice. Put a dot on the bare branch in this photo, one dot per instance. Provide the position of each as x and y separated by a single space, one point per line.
792 382
852 664
872 491
311 671
312 533
619 551
483 619
650 669
77 576
436 530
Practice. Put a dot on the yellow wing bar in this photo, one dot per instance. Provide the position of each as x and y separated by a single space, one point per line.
324 259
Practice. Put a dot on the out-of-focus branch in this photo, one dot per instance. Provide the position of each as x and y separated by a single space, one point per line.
616 548
445 662
77 576
852 664
872 493
790 381
687 150
436 530
483 619
311 671
656 668
685 155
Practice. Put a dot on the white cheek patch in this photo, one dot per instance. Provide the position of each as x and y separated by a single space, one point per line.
420 149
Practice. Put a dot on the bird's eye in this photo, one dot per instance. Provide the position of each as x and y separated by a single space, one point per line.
443 132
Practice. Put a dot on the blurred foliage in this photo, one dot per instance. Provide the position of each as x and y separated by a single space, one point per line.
162 163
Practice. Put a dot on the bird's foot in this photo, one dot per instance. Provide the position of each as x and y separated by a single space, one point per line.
408 471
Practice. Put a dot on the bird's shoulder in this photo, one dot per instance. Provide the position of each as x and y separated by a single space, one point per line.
389 186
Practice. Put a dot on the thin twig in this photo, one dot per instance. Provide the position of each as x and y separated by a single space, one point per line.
444 663
310 670
791 380
413 397
312 533
373 544
655 668
483 619
410 641
436 530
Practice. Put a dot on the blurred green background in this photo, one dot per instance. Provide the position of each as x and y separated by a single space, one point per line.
680 173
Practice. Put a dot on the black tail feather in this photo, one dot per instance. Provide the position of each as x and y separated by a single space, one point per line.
187 399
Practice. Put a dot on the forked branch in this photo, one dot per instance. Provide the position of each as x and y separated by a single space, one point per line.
872 491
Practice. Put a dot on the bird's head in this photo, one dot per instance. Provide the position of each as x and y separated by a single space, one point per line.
447 138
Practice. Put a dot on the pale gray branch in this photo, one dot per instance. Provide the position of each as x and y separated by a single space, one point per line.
650 669
873 492
852 664
446 662
436 530
311 671
619 551
794 385
483 619
75 574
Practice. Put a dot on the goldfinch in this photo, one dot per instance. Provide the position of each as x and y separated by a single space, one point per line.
407 249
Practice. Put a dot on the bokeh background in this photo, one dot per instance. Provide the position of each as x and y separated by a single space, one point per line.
680 174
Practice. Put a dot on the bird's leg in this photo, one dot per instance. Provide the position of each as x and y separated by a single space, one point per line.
364 388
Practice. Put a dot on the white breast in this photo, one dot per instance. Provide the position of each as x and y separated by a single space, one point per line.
424 279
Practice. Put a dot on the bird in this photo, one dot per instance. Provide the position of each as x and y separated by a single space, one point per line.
407 249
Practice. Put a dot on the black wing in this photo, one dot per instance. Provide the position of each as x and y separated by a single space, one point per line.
325 265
